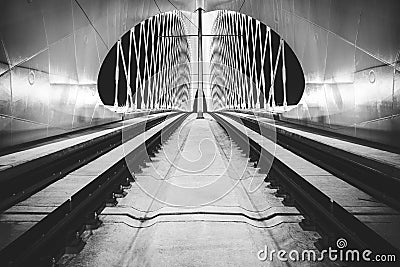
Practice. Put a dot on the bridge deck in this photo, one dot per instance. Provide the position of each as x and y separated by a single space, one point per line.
193 204
196 200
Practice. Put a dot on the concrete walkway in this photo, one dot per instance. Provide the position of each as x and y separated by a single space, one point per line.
193 204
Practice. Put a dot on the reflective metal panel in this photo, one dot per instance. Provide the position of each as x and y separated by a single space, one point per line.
57 19
288 5
301 28
320 12
4 65
88 63
22 29
63 61
344 18
378 31
314 59
288 27
339 60
302 8
5 94
30 92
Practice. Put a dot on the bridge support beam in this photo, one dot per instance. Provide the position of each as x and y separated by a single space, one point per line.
200 65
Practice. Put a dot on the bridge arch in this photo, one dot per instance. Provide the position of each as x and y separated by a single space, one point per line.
145 69
134 71
51 53
253 64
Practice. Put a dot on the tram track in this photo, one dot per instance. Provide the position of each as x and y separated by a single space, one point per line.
377 179
19 182
321 211
63 226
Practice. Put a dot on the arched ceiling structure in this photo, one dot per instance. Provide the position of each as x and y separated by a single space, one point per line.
51 52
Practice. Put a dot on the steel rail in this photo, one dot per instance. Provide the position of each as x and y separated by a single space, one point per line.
20 182
376 179
41 244
326 214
